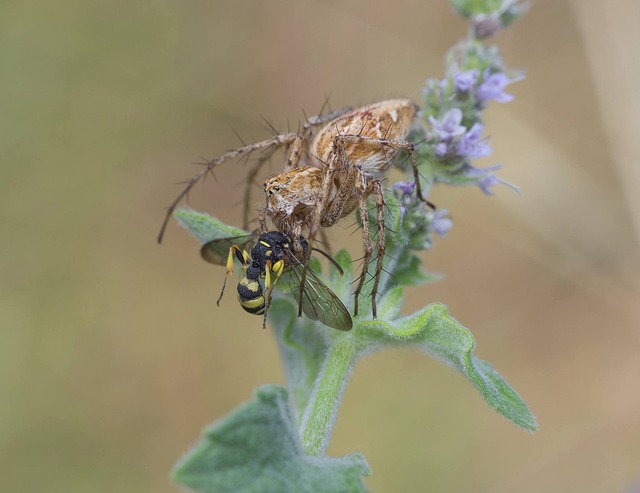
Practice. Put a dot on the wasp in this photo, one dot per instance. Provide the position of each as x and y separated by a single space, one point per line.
273 254
333 166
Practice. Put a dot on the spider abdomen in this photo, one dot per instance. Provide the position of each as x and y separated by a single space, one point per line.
367 134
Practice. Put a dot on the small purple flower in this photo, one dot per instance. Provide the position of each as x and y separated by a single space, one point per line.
493 87
440 224
471 145
464 81
406 187
449 127
486 178
487 182
441 150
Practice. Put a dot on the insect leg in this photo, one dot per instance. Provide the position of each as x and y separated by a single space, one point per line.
278 269
242 256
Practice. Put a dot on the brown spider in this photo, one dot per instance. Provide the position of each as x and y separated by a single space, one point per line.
328 175
348 157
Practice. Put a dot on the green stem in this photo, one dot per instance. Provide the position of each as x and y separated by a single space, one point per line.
322 407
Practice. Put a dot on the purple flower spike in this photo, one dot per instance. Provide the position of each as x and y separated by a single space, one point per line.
406 187
466 80
493 87
471 145
450 126
440 224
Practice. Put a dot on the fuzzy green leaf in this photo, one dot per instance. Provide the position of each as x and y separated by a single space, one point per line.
256 449
438 334
205 227
409 273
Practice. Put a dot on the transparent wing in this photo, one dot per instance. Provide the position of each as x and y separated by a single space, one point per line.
318 301
217 251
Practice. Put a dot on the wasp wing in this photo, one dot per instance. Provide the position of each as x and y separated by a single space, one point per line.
217 251
318 301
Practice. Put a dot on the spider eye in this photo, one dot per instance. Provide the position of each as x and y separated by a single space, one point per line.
276 188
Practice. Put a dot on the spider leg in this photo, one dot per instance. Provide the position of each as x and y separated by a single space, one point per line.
375 188
250 180
317 214
300 146
366 239
294 153
316 121
277 141
277 269
397 145
411 151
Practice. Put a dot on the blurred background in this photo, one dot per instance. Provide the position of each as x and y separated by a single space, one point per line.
114 355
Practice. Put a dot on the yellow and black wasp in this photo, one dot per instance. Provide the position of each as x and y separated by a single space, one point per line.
273 254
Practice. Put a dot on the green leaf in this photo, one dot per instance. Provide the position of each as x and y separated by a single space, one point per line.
256 449
438 334
468 8
303 347
408 273
206 227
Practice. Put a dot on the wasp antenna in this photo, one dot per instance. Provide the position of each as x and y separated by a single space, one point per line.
330 259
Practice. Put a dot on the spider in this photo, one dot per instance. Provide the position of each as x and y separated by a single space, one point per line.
348 158
327 175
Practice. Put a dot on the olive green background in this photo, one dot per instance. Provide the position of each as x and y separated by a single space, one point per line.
113 354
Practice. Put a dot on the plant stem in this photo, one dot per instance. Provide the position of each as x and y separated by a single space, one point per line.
322 407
